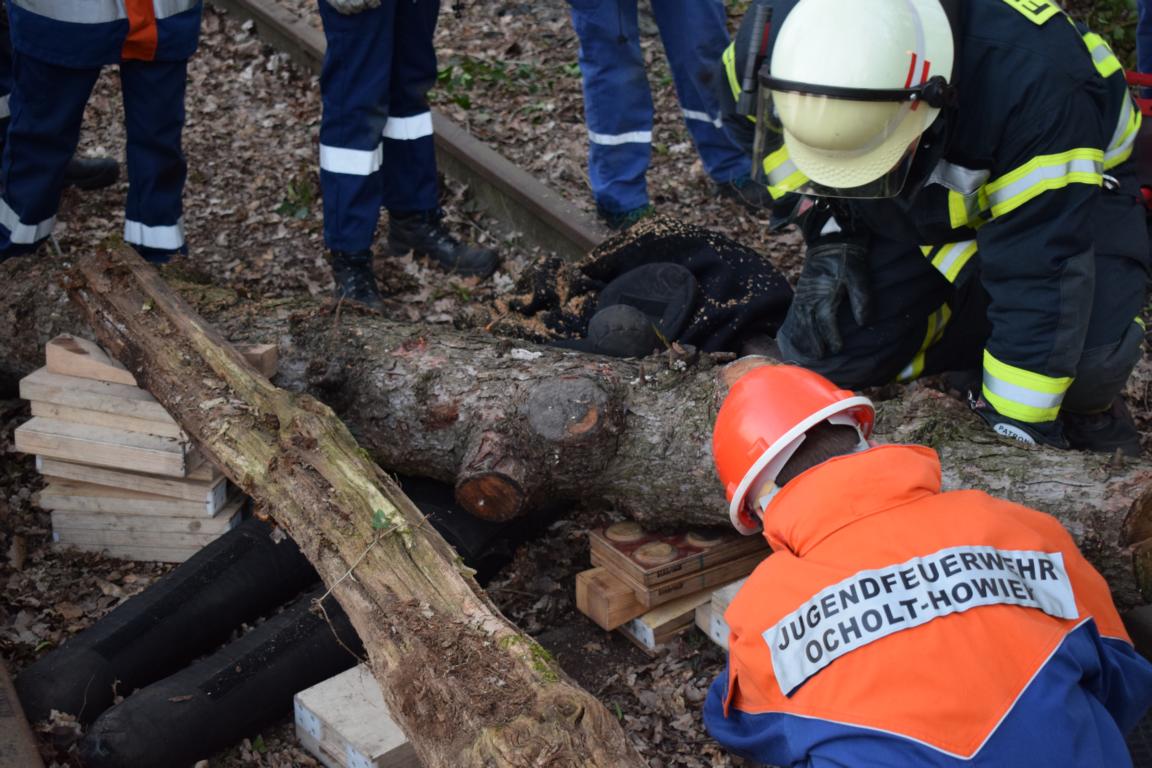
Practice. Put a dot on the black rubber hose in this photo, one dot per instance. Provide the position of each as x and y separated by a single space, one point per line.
235 692
238 577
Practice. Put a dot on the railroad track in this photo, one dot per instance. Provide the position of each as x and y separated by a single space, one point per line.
506 192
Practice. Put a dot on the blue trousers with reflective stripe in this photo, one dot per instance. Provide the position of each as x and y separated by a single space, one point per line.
618 102
47 104
379 67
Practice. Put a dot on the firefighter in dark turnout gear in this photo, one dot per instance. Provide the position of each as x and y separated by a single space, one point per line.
961 174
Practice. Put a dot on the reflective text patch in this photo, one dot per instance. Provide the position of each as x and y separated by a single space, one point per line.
874 604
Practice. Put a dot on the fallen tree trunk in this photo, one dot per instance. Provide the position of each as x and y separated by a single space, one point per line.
515 425
466 686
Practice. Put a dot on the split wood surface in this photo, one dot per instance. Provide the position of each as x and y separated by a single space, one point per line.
516 426
466 686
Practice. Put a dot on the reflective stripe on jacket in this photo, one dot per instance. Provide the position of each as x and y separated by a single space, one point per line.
93 33
896 625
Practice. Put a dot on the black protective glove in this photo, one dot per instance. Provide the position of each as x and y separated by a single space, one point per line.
1050 433
836 266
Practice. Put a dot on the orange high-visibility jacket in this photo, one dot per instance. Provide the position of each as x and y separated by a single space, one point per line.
896 625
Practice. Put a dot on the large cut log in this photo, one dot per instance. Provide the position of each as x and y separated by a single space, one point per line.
514 425
465 685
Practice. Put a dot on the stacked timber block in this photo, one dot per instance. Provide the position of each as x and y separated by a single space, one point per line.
344 723
710 615
121 476
650 585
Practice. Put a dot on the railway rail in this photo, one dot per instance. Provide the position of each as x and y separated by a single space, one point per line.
506 192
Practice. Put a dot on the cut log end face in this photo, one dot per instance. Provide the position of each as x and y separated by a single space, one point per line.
491 496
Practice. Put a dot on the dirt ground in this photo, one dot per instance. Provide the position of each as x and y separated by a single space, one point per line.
253 219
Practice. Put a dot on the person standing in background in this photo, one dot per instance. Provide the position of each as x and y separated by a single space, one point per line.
59 48
376 146
618 107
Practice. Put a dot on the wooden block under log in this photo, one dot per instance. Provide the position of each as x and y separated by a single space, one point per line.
73 356
101 419
87 538
658 626
107 447
17 744
723 597
108 521
73 496
649 558
711 578
703 617
202 484
140 535
344 723
263 357
87 394
606 599
710 618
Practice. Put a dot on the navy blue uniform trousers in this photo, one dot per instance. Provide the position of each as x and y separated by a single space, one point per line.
618 101
47 104
376 146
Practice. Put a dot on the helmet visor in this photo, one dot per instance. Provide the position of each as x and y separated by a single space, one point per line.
840 142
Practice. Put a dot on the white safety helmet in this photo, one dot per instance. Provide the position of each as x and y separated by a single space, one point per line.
852 84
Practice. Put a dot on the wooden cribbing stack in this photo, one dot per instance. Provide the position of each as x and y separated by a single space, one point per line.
650 585
122 477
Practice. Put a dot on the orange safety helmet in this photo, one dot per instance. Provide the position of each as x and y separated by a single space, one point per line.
762 422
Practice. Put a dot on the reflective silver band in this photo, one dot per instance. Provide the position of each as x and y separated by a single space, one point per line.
167 238
21 233
408 128
355 162
165 8
703 117
957 178
612 140
777 175
1042 175
1119 144
76 11
99 11
1018 394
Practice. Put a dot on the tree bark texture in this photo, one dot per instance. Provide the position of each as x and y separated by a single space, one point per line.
465 685
515 425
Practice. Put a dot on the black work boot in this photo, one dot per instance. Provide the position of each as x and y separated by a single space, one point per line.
424 233
90 173
750 193
355 281
1103 432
